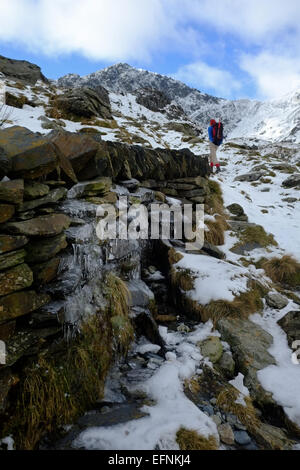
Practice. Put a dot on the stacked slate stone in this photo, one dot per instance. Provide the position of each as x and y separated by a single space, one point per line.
32 224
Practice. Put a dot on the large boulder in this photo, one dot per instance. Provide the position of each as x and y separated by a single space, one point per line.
30 155
292 181
44 226
77 149
84 102
249 344
21 70
290 324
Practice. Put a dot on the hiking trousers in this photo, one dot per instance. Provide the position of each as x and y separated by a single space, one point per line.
213 153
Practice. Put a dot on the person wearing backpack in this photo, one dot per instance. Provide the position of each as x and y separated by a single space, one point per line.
215 134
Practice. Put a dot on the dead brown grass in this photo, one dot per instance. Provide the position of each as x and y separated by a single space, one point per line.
188 439
285 270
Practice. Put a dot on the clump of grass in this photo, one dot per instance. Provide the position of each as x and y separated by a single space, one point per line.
118 297
109 124
256 234
216 232
285 270
242 306
174 256
183 278
188 439
226 400
214 205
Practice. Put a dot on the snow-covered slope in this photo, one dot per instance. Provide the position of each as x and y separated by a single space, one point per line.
273 120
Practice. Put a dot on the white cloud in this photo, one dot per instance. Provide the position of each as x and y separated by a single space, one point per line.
134 30
254 20
274 75
98 29
201 75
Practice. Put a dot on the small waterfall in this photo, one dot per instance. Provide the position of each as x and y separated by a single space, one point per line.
82 269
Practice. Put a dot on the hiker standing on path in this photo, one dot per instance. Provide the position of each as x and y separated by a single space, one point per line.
215 134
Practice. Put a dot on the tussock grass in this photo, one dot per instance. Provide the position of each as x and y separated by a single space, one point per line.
174 256
216 232
242 306
285 270
214 205
226 400
183 278
188 439
256 234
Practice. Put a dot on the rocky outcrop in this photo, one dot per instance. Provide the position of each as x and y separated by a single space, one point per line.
250 356
290 324
152 99
84 102
292 182
21 70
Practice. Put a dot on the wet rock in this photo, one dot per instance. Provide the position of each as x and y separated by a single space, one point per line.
226 434
147 326
212 348
46 272
227 365
249 177
6 212
292 181
7 330
12 191
26 343
276 300
21 303
140 293
34 190
131 185
5 163
7 381
52 198
14 279
45 249
242 438
10 243
21 70
44 226
290 324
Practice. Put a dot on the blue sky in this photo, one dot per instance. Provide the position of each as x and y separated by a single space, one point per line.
229 48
